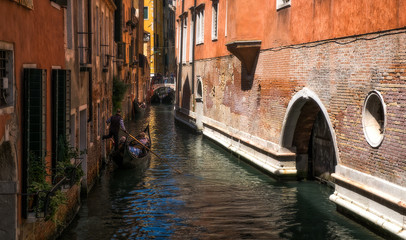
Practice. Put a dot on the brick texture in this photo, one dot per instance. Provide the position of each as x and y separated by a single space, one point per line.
340 72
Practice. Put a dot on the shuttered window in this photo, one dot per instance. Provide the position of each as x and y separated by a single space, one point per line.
60 112
214 25
6 78
34 124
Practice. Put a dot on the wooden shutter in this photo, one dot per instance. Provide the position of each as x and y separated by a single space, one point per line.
34 125
60 112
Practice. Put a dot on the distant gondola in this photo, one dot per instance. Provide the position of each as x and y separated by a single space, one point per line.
139 108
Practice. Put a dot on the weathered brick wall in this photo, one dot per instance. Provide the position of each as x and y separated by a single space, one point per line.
340 74
50 229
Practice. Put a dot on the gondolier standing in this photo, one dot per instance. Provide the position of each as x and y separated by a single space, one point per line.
116 121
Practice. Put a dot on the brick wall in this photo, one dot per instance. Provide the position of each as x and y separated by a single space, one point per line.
341 73
41 229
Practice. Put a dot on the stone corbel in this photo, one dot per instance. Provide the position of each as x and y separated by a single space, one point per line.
246 51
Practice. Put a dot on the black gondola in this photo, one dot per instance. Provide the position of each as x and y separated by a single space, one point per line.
132 154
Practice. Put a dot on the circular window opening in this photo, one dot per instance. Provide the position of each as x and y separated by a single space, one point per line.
373 118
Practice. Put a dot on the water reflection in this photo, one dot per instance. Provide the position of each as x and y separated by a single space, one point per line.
217 196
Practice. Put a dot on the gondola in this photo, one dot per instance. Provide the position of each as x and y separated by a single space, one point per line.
139 109
125 156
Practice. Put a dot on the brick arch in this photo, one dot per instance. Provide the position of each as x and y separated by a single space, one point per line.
301 114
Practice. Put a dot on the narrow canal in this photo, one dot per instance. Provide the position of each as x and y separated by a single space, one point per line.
217 196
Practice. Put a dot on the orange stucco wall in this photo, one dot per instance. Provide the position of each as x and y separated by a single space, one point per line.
302 22
37 36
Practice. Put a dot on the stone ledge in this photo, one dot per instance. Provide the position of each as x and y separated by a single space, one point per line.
374 200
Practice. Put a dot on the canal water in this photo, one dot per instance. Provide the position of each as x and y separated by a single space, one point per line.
216 196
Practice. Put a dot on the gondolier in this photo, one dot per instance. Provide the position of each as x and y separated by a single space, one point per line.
116 122
135 153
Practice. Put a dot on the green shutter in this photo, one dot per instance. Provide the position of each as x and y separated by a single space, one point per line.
60 113
34 128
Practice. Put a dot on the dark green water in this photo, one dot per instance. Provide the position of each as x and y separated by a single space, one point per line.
217 196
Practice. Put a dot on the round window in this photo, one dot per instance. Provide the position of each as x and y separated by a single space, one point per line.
373 118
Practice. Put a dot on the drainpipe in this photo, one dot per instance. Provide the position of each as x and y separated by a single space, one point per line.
179 80
89 40
193 48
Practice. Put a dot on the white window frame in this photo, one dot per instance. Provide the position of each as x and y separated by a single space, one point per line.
282 4
214 20
225 28
184 40
191 39
200 26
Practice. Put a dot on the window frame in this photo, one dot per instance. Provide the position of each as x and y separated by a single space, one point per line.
146 8
184 40
214 20
191 36
200 25
8 77
373 120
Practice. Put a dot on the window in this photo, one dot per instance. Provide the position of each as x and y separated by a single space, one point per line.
199 87
373 118
214 25
69 25
6 78
200 26
178 40
97 32
98 121
62 3
83 34
106 59
60 112
73 130
225 29
282 4
34 124
191 40
184 39
145 12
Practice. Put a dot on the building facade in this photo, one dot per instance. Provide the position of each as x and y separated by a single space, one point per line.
89 47
34 119
154 24
303 89
130 60
169 38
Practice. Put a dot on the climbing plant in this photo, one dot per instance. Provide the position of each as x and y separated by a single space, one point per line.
44 197
65 168
43 200
119 89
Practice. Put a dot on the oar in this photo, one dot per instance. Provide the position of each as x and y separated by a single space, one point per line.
154 153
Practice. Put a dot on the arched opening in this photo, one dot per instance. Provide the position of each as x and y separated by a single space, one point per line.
186 94
199 104
163 95
199 88
308 132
